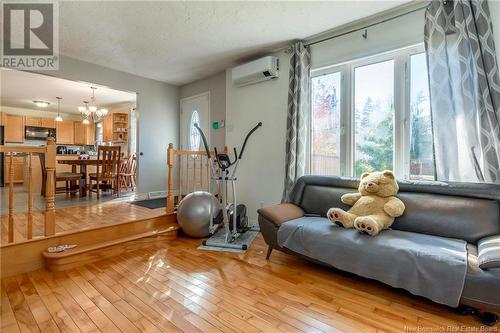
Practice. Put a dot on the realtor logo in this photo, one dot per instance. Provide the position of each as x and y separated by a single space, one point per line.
30 35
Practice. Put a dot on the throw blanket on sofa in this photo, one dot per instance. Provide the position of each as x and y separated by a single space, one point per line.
425 265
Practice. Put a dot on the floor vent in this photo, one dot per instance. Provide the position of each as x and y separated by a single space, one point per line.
157 194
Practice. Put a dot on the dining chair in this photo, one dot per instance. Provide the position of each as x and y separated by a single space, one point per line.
107 173
128 173
70 178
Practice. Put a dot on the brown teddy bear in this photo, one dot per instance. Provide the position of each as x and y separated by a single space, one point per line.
374 207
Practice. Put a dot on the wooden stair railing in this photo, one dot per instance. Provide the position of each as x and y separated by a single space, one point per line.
193 174
49 152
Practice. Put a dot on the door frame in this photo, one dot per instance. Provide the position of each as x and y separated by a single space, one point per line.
207 93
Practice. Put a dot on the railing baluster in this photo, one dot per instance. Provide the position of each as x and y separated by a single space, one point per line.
11 199
50 167
194 173
29 232
187 174
170 179
179 176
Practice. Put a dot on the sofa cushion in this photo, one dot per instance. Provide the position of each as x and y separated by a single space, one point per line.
430 266
449 216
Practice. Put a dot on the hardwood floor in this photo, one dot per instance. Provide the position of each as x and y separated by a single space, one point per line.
71 219
175 287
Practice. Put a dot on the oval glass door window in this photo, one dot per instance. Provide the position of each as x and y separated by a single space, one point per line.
194 135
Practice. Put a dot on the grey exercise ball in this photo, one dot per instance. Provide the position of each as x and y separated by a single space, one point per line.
193 213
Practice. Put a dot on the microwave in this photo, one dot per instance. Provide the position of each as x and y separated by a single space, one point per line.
39 133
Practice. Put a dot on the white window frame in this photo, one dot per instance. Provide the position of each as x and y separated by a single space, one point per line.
402 107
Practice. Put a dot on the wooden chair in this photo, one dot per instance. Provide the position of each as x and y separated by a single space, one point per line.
108 166
128 173
70 178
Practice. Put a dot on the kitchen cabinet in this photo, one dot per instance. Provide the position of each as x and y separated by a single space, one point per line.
2 115
33 121
90 134
115 127
48 122
17 166
13 128
84 134
40 122
80 132
65 132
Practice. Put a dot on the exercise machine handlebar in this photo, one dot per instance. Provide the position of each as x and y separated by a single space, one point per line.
204 140
246 138
236 157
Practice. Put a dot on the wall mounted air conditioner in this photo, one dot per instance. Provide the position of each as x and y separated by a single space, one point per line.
259 70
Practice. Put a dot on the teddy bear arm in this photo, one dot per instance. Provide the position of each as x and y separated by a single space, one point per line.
350 198
394 207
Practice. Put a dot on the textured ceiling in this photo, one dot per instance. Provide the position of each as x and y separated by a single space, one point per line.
20 89
180 42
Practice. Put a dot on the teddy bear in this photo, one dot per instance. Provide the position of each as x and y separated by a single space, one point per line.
374 207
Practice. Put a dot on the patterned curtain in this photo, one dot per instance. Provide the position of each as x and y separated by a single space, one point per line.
465 90
297 124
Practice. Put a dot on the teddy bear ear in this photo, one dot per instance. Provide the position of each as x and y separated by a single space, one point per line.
364 174
388 173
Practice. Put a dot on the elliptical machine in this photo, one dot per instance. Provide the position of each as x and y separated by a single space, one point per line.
232 217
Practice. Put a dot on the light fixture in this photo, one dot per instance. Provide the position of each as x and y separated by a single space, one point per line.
41 104
99 125
90 111
59 118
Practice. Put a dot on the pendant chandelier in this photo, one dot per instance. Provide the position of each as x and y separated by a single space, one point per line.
59 118
90 111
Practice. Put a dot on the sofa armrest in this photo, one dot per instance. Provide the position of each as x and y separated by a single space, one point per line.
489 252
279 214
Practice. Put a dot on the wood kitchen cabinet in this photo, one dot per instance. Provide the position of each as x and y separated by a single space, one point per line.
13 128
80 132
48 122
65 132
84 134
33 121
40 122
115 128
18 166
2 115
90 134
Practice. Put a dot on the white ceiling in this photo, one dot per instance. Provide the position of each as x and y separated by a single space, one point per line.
180 42
20 89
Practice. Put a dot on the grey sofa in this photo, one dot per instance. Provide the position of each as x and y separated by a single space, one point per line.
462 211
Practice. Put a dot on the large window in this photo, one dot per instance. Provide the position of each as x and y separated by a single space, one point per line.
373 114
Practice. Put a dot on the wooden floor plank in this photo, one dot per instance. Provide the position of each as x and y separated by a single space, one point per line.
178 288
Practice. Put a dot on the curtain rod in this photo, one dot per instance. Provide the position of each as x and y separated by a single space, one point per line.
367 26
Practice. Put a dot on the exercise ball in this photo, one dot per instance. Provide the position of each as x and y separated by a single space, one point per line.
193 213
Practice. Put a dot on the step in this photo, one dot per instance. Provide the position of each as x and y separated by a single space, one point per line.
85 254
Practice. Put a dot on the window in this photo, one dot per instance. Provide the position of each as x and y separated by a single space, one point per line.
373 114
325 149
194 135
421 149
373 117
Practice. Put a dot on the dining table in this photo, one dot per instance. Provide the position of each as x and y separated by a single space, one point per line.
83 170
82 164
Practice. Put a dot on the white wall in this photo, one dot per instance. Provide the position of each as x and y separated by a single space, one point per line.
262 169
158 106
495 18
216 84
